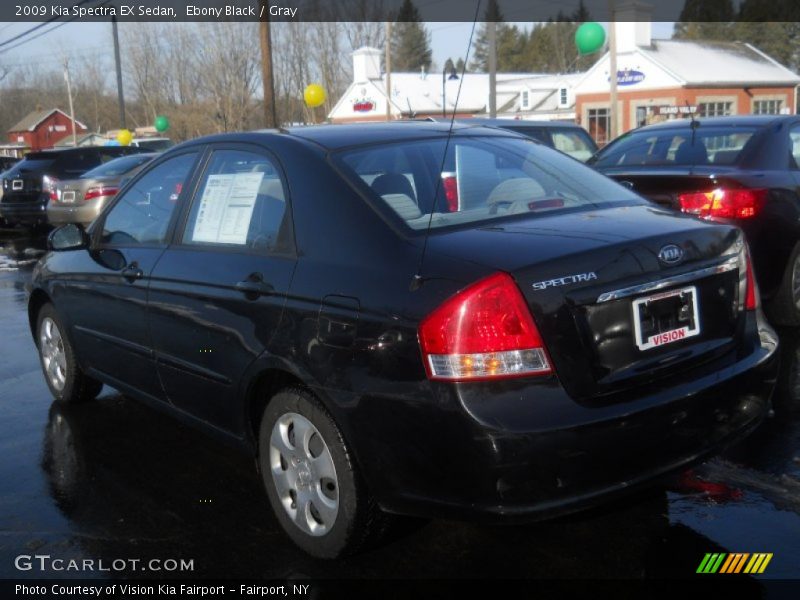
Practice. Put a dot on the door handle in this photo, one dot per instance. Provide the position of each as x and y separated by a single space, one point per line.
254 286
132 272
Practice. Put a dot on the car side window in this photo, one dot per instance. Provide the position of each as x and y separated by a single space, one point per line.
794 139
142 213
240 203
572 143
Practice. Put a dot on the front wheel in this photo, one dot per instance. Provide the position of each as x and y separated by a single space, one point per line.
312 480
67 382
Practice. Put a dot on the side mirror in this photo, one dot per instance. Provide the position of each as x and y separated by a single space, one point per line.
68 237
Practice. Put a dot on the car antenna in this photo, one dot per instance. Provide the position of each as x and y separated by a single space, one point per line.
694 124
417 280
411 113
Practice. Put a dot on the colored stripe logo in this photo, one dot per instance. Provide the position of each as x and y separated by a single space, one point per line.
737 562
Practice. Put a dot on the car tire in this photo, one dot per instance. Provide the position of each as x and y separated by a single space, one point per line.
784 309
67 382
314 486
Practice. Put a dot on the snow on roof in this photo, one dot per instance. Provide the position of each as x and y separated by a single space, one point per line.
423 93
715 63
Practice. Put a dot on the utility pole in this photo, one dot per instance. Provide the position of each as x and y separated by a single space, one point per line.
612 76
71 109
267 79
118 63
492 31
388 67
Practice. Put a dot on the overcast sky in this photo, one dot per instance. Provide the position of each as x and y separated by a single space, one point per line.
87 40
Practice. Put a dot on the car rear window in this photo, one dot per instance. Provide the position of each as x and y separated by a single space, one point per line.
32 163
118 166
678 147
472 179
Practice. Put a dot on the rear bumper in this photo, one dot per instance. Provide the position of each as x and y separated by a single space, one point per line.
29 213
83 213
515 456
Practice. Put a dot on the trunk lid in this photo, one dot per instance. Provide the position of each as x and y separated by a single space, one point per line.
570 266
663 186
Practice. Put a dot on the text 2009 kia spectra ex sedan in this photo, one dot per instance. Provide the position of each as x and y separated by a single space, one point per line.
397 319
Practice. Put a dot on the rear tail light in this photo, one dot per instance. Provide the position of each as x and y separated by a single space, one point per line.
96 192
50 187
450 187
748 288
724 203
483 332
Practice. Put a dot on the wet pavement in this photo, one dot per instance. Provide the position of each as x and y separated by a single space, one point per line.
115 479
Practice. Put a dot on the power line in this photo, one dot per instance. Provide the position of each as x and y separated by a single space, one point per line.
40 25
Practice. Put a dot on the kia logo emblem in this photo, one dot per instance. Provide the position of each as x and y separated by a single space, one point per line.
670 254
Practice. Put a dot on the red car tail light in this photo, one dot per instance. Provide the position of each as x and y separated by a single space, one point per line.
96 192
485 331
751 298
49 186
724 203
450 187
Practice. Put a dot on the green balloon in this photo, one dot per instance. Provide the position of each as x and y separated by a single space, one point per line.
590 37
162 123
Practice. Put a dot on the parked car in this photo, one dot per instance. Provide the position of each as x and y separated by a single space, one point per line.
554 343
31 183
565 136
81 200
153 144
740 170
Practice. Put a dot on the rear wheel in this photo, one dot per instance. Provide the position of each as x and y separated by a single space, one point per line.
311 479
67 382
785 306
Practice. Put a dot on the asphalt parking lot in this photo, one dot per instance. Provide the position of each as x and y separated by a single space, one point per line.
115 479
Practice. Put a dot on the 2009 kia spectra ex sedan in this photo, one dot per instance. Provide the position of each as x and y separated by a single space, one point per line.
397 319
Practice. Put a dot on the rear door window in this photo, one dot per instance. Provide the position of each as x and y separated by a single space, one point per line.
240 203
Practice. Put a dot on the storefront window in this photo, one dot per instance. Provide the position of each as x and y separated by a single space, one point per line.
599 124
714 109
767 107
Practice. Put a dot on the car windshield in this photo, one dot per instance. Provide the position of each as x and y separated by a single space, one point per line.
478 179
118 166
677 147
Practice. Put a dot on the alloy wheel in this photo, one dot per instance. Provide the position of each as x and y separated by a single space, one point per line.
54 357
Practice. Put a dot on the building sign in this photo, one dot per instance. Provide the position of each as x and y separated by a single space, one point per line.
629 77
676 110
363 105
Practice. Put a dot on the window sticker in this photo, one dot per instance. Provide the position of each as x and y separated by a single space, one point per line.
226 208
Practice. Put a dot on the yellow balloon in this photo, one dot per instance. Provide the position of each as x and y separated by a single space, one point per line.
314 95
124 137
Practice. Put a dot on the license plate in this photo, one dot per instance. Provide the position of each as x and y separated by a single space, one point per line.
666 318
68 196
16 185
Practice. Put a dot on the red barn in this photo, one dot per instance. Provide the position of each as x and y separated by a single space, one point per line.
43 129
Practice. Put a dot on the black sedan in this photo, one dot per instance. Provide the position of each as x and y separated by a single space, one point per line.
739 170
547 342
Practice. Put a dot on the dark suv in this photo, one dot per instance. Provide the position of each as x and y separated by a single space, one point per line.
29 184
